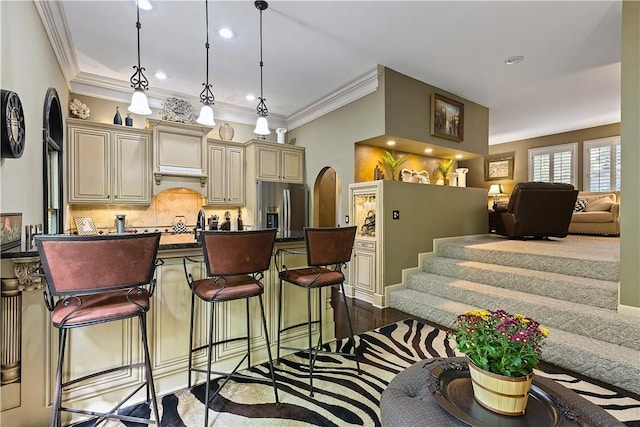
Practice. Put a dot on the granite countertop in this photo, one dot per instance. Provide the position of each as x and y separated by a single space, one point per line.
167 242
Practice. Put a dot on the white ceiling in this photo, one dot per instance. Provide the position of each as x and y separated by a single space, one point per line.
316 51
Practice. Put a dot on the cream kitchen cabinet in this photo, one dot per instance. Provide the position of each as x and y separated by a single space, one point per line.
277 162
226 185
365 271
108 164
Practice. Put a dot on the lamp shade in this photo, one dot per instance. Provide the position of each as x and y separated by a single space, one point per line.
139 103
262 127
206 116
496 190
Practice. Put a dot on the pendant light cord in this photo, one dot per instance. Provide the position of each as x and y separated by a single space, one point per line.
262 107
206 96
138 79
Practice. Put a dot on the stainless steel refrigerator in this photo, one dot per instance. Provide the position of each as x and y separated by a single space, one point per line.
281 205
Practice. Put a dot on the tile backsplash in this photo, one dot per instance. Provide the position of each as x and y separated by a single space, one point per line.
160 214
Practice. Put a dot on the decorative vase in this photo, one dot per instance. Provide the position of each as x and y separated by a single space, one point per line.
128 121
226 132
498 393
117 119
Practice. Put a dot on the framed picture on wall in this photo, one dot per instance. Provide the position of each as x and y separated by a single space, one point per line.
447 117
498 168
11 232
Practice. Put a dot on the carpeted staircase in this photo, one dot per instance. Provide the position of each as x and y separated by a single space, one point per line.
574 296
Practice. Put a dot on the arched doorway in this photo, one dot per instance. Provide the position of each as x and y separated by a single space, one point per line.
327 196
52 161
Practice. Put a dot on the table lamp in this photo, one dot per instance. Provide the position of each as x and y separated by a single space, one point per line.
496 191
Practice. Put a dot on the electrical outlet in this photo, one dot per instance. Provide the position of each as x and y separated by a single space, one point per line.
346 219
395 215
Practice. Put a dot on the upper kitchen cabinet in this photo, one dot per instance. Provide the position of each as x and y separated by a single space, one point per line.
108 164
179 155
275 162
226 174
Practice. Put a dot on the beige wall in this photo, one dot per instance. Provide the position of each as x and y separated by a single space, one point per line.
407 114
519 149
329 140
29 68
630 143
427 212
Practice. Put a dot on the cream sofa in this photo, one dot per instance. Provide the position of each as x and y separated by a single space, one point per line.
600 214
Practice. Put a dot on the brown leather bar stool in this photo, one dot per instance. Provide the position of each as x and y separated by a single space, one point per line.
99 279
235 263
328 251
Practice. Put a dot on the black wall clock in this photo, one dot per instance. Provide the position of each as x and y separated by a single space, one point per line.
13 132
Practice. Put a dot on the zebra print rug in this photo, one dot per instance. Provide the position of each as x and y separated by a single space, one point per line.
341 396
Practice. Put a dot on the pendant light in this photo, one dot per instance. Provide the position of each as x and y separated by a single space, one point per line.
262 127
139 102
206 96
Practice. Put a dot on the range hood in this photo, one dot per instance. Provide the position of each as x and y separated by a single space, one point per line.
179 156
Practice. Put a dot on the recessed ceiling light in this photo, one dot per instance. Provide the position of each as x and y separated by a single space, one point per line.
391 142
428 150
225 33
145 4
514 59
250 97
458 156
160 75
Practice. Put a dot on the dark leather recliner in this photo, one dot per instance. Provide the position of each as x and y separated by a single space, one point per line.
536 210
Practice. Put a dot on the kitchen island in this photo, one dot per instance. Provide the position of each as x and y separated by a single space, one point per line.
31 341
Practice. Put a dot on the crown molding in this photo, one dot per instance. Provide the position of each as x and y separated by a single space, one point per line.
352 91
55 24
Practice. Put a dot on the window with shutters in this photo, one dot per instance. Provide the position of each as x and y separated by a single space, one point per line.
553 164
602 164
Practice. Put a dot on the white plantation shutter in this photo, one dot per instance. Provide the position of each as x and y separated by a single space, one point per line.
562 167
553 164
541 167
602 164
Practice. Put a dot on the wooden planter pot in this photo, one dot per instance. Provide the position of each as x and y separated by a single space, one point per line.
500 394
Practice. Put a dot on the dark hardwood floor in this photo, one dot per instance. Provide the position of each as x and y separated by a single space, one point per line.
366 317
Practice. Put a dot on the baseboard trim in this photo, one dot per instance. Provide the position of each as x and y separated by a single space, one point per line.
628 310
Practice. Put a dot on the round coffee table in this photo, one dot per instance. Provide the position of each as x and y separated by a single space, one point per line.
433 392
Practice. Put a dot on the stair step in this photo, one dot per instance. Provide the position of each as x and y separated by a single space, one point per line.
599 323
607 362
594 292
480 250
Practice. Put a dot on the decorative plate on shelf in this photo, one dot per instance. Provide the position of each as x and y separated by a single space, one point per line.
178 110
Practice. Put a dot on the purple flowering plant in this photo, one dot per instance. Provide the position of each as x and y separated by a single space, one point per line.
500 342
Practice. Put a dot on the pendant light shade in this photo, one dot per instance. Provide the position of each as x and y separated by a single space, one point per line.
262 127
139 103
139 82
206 116
206 96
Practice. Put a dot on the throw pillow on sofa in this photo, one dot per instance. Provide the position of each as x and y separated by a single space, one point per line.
581 204
603 204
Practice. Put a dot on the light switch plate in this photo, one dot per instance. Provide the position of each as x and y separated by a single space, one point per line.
395 215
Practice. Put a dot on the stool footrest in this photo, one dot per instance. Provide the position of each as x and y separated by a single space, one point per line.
111 413
106 371
219 342
313 322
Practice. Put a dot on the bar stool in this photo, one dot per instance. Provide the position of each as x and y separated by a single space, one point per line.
99 279
328 251
235 263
